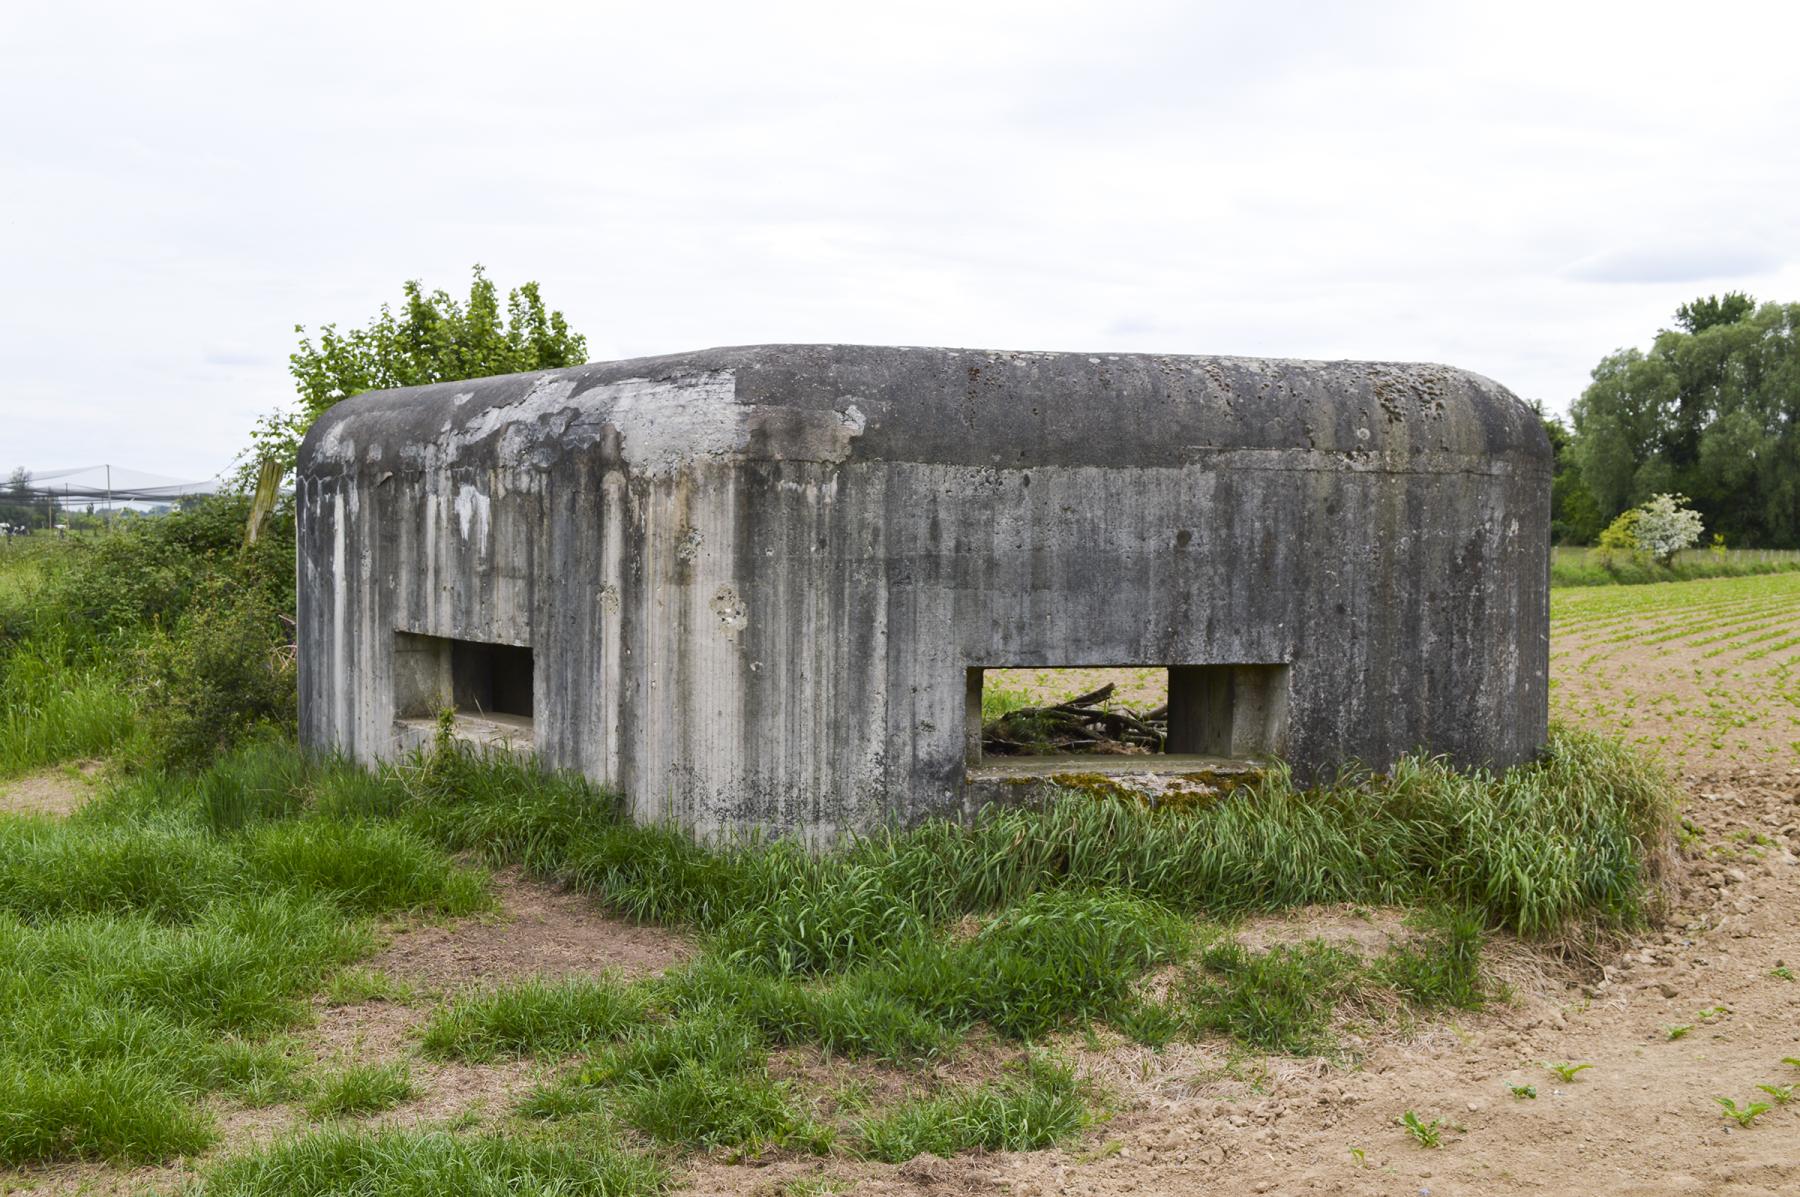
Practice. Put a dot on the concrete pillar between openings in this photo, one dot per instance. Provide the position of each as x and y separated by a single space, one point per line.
1227 710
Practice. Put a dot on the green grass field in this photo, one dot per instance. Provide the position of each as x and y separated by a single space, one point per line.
1576 566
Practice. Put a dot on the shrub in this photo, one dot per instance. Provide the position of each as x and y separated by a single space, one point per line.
1660 527
226 670
154 571
1665 526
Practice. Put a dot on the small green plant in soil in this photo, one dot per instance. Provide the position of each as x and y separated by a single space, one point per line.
1711 1014
1679 1030
534 1017
1745 1114
1523 1091
1781 1093
816 1186
1425 1134
1567 1072
1782 972
1039 1105
362 1089
1793 1060
355 986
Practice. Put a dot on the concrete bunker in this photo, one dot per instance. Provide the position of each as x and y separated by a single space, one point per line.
760 588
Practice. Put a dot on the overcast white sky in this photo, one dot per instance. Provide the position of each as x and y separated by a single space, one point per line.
1511 188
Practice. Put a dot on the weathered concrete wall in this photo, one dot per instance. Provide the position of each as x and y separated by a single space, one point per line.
754 579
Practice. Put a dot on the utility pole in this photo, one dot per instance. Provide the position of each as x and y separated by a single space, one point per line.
109 498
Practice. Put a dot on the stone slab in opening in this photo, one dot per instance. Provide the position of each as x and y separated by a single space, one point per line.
486 731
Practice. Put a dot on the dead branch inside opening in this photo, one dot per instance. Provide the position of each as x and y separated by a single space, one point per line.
1233 711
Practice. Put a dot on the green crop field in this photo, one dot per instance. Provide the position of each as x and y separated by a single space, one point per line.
1705 674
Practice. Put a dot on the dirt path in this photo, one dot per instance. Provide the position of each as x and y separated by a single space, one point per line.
52 792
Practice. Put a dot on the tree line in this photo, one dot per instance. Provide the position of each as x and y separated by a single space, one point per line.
1711 411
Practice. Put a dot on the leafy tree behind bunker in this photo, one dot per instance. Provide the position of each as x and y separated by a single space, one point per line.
1711 411
433 338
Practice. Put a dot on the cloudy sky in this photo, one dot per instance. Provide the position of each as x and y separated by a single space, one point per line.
1512 188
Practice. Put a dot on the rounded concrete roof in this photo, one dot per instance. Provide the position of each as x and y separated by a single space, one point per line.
854 403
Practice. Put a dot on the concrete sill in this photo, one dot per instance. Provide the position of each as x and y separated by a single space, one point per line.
1075 764
1155 778
510 732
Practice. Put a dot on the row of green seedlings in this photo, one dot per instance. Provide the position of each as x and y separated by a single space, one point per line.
1430 1134
1749 1111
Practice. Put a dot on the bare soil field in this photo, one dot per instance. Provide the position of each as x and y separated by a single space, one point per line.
1703 1006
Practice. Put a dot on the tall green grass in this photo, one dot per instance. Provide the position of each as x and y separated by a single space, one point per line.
1578 836
63 693
534 1017
362 1089
396 1163
146 956
59 700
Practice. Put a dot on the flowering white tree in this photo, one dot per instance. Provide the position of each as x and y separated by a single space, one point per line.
1665 525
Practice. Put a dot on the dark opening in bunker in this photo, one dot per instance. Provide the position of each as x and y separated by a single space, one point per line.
493 679
1143 716
475 678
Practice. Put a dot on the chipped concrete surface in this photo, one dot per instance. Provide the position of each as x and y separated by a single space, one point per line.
754 578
